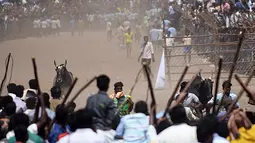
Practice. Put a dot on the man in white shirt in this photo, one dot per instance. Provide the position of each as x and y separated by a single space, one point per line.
187 48
154 36
126 25
147 52
16 93
160 37
179 132
44 27
121 32
54 26
83 130
109 31
59 26
191 100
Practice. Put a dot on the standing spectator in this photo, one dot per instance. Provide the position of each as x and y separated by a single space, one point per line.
147 52
103 107
60 126
81 26
56 97
109 31
32 91
73 23
129 41
187 48
21 105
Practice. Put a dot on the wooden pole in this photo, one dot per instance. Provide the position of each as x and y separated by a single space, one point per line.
175 90
5 74
217 84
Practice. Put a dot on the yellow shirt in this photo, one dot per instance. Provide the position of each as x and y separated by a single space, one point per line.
128 37
246 136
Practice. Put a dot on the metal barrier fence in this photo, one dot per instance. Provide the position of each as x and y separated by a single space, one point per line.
205 55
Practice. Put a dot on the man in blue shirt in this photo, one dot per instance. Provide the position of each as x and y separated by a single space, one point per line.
171 31
133 127
227 95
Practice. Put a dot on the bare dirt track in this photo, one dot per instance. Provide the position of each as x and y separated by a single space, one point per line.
87 56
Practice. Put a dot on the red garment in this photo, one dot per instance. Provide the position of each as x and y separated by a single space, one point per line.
61 136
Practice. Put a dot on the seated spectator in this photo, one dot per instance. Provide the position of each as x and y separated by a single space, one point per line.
84 132
179 128
16 121
133 127
207 130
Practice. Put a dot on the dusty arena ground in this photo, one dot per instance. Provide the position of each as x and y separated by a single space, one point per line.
87 56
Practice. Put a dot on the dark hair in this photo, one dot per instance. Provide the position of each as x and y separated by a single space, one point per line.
61 115
46 98
19 91
82 118
178 114
33 84
141 107
222 129
31 102
183 85
55 92
19 119
5 100
71 107
117 84
10 109
226 84
11 88
207 126
103 82
21 134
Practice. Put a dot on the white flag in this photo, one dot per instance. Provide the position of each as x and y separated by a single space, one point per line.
160 82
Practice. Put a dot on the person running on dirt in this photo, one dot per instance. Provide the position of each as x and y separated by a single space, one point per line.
129 41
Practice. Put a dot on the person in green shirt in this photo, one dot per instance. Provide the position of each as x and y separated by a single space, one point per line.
18 130
32 138
122 102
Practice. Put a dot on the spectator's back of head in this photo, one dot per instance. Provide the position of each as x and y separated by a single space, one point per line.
82 118
141 107
19 91
178 114
61 115
46 98
21 134
5 100
71 107
103 82
10 109
31 102
11 88
55 92
207 126
33 84
19 119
